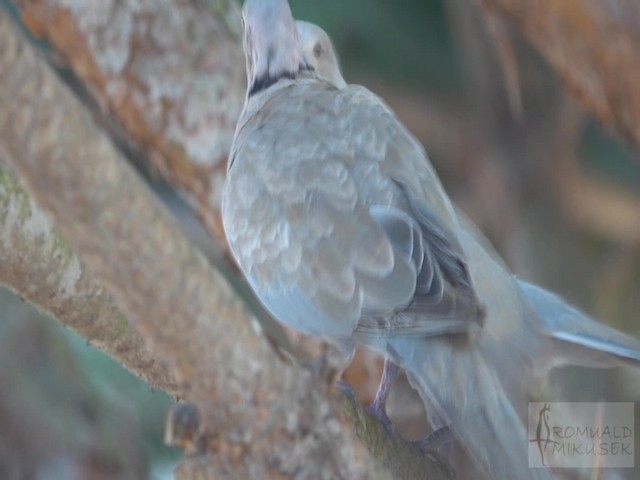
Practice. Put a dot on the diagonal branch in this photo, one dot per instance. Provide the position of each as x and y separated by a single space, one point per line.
41 267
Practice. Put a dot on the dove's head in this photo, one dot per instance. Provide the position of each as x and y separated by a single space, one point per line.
319 53
271 44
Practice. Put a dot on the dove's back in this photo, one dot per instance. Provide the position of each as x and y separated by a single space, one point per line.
319 179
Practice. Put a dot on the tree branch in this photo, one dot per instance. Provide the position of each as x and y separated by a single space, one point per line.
41 267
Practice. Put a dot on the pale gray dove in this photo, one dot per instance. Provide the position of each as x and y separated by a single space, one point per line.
341 226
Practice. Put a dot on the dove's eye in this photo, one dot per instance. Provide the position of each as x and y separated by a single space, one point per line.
317 50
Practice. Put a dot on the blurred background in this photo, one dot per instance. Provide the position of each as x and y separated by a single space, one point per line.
557 194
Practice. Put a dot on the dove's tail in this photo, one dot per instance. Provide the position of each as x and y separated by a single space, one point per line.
581 340
460 390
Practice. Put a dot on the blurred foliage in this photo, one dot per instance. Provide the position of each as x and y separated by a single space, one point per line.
77 408
602 152
116 384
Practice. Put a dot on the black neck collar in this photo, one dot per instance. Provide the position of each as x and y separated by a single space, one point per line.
261 84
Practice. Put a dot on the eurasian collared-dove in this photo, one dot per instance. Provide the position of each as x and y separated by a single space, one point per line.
342 228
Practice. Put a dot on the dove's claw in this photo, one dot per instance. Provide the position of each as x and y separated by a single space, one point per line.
430 446
346 389
380 413
434 440
444 465
374 409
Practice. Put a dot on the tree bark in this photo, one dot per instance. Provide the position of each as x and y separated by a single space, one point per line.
42 268
168 76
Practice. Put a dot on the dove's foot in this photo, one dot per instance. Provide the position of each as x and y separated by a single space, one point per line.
374 409
443 464
346 389
434 440
381 414
378 407
430 446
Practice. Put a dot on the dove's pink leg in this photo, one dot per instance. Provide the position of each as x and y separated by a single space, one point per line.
378 407
431 442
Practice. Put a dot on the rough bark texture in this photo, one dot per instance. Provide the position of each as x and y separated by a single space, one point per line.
170 72
41 267
593 45
261 418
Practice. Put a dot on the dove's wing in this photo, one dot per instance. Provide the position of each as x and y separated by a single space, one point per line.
336 217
